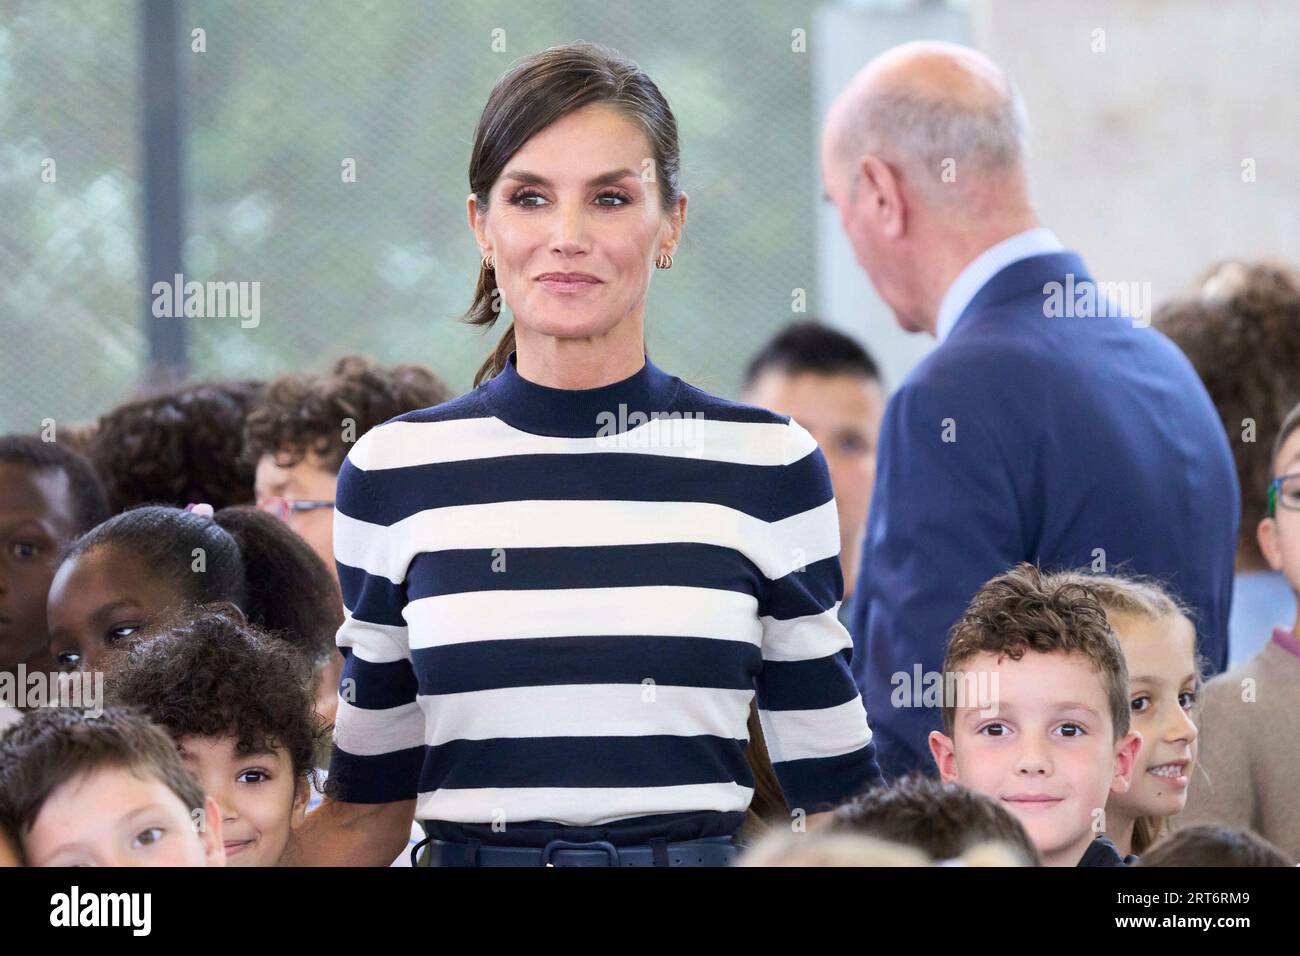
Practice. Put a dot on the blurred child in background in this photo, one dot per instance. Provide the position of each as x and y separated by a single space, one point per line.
1250 717
48 495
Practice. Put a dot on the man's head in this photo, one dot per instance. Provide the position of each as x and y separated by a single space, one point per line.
942 819
828 383
103 791
49 494
1039 714
924 156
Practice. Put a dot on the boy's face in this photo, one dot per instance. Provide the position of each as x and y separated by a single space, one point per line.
1162 694
114 817
1279 536
261 800
1048 754
99 599
36 520
308 480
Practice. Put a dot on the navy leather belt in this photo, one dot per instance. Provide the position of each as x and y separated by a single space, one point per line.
710 851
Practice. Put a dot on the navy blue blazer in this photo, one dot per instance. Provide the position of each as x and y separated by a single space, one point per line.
1071 435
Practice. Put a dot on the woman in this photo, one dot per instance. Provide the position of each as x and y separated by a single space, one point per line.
564 587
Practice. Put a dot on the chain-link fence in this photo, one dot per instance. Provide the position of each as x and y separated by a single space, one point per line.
279 97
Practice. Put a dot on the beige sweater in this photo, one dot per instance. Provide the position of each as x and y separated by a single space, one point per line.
1249 775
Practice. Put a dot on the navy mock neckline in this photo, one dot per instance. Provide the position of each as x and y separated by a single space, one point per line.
579 413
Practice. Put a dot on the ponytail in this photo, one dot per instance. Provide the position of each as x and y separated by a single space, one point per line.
288 588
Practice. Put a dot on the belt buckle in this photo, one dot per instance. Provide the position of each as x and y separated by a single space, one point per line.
608 848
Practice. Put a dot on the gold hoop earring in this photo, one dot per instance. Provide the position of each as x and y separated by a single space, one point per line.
660 263
489 264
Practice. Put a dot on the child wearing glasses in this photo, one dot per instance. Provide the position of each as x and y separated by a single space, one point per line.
296 437
1250 725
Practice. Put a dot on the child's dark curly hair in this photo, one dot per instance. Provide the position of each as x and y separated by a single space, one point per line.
178 447
250 559
300 412
206 672
1242 335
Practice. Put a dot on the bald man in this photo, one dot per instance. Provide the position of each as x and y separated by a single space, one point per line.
1048 425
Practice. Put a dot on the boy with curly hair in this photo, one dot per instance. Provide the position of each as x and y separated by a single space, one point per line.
1043 726
238 705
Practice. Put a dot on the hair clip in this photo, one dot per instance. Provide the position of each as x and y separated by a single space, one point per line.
202 509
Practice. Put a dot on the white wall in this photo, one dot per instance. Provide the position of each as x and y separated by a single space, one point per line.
1137 150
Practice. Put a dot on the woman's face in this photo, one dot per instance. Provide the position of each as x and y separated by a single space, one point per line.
98 600
581 196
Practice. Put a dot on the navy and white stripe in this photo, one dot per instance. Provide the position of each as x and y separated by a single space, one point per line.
547 623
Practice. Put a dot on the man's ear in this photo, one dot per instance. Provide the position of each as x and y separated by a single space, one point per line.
882 195
1266 535
214 848
301 794
945 757
1126 751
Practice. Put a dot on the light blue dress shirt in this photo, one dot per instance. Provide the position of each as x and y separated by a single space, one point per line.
1031 242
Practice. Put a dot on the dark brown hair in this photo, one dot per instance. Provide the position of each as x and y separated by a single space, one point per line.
89 504
1025 610
533 95
767 808
250 558
1242 335
1214 846
177 447
302 412
49 747
943 820
207 673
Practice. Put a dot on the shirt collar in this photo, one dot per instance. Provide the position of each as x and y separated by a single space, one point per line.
1031 242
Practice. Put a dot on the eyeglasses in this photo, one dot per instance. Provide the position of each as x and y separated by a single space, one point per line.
283 507
1284 491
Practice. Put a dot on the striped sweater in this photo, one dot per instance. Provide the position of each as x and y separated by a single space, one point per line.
560 604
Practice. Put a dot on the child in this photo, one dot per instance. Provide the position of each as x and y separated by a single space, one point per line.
943 820
48 495
103 791
238 706
177 446
1214 846
1241 332
1159 644
1250 721
302 427
123 574
1045 728
296 437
